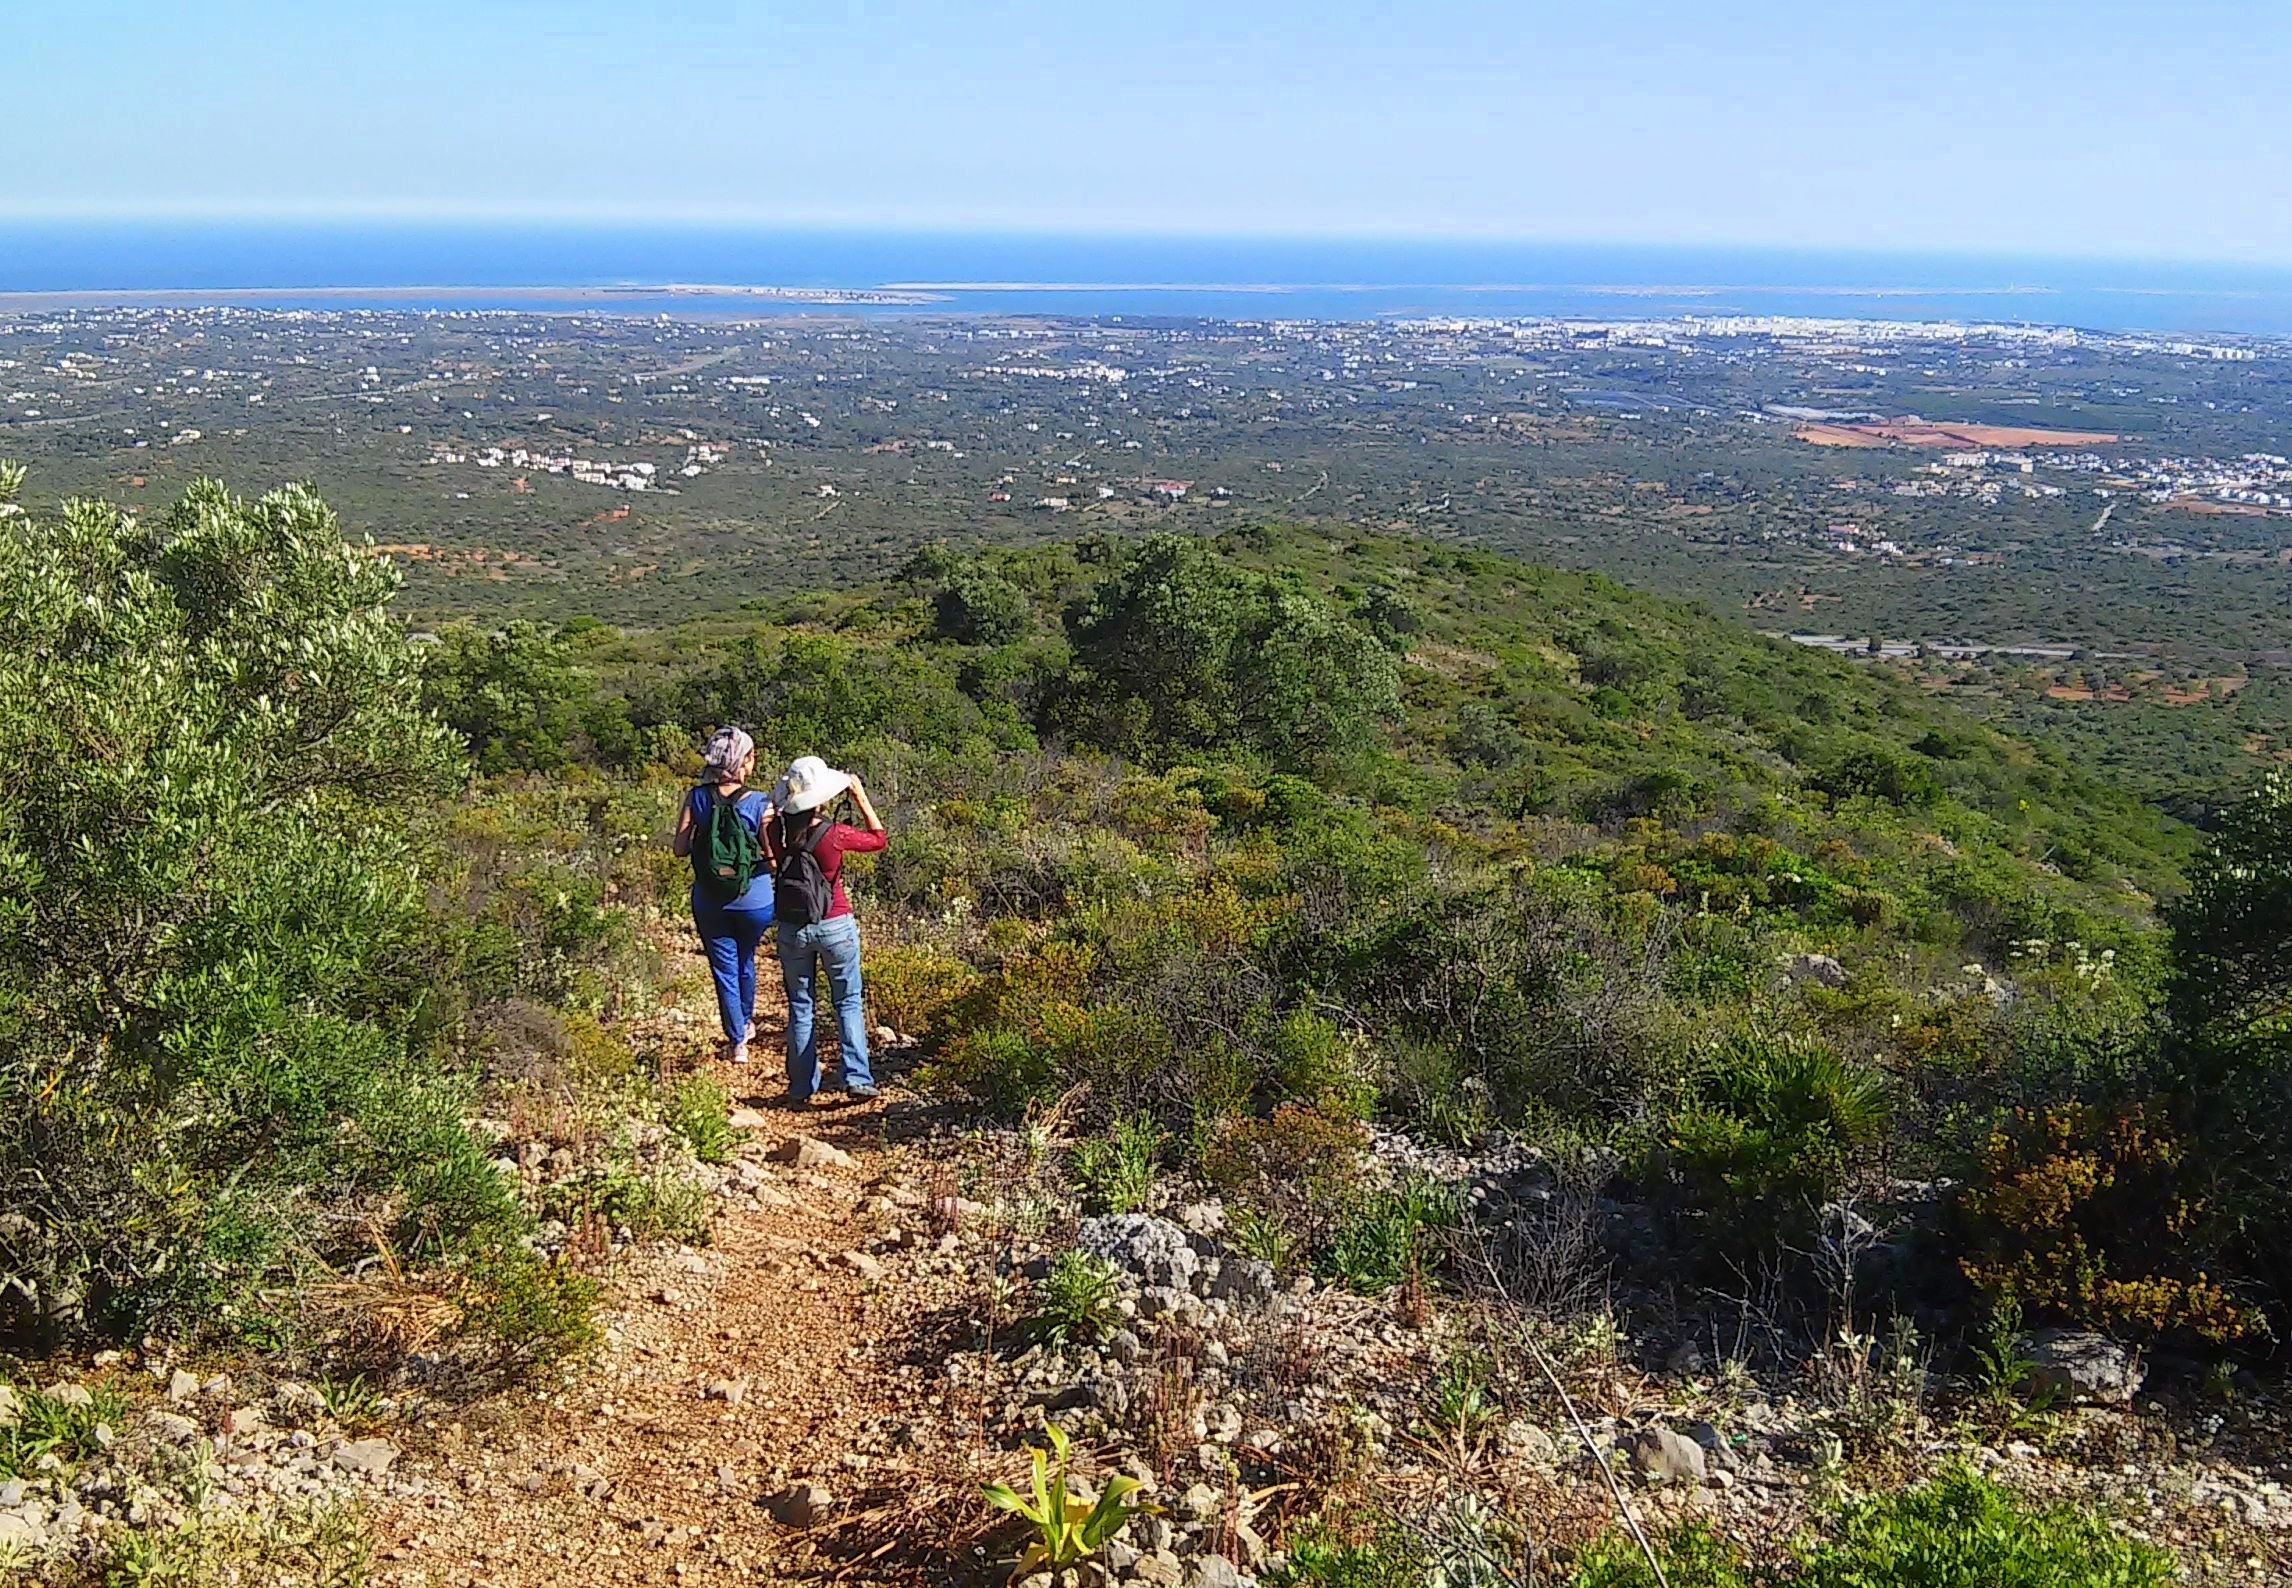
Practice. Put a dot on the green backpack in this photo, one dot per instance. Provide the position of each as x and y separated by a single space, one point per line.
725 853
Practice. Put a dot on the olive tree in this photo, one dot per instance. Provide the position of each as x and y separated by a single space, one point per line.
210 919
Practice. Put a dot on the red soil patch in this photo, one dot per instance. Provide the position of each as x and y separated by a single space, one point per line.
1922 433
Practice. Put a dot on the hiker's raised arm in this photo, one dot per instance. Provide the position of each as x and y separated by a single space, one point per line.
681 844
873 822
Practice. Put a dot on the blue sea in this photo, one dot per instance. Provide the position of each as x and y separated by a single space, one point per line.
498 266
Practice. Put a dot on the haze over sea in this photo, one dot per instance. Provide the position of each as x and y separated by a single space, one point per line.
465 266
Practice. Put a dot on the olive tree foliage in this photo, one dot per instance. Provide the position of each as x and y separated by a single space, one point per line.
1180 651
209 915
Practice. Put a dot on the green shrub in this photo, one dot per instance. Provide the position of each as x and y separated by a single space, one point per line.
1776 1128
1385 1236
1963 1531
2094 1216
1693 1556
1117 1169
1075 1300
211 943
1958 1531
909 986
538 1311
699 1112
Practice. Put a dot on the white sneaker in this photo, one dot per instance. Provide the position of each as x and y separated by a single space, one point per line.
739 1053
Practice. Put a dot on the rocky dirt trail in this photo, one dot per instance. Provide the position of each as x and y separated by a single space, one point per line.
729 1416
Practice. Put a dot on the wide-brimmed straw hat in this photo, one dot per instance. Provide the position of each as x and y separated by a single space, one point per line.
810 783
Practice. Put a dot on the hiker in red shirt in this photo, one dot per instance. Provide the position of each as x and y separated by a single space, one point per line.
817 929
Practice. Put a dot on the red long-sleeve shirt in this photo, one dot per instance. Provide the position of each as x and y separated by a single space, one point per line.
839 840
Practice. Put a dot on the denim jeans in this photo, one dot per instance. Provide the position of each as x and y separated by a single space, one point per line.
832 945
730 938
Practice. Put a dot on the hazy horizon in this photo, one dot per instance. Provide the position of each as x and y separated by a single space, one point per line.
1980 129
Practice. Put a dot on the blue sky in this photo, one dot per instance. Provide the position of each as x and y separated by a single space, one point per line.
2061 127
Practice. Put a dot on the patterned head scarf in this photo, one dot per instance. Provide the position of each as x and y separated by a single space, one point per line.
728 751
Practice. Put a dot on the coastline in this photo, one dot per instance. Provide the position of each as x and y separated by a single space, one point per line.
193 297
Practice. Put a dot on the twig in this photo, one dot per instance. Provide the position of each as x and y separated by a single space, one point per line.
1583 1430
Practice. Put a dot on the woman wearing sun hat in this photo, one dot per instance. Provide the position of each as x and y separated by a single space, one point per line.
817 929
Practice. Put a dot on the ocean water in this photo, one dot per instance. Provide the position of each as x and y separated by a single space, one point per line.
481 266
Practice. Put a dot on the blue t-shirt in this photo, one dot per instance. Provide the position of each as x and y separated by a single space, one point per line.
750 804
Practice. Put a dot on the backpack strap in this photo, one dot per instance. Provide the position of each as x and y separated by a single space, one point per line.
810 842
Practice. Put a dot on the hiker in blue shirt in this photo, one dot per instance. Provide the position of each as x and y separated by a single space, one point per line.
722 829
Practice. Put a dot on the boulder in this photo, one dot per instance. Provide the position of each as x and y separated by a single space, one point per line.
173 1427
808 1152
1154 1252
1243 1281
366 1457
799 1505
1664 1456
2084 1368
1161 1569
1820 969
1718 1454
1213 1571
1524 1441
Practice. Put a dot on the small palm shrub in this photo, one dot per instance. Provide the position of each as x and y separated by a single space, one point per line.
1777 1128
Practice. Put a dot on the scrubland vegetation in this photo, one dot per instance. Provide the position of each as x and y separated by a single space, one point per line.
1238 852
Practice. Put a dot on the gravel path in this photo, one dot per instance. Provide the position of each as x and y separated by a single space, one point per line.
731 1376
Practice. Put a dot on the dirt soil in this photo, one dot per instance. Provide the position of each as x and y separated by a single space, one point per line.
729 1375
1920 433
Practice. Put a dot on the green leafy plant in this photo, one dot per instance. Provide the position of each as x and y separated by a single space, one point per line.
1064 1538
350 1402
63 1426
1117 1169
1262 1234
1963 1531
699 1110
1075 1300
1462 1409
1381 1238
646 1205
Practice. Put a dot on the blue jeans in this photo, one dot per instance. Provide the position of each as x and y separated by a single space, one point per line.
730 937
832 945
